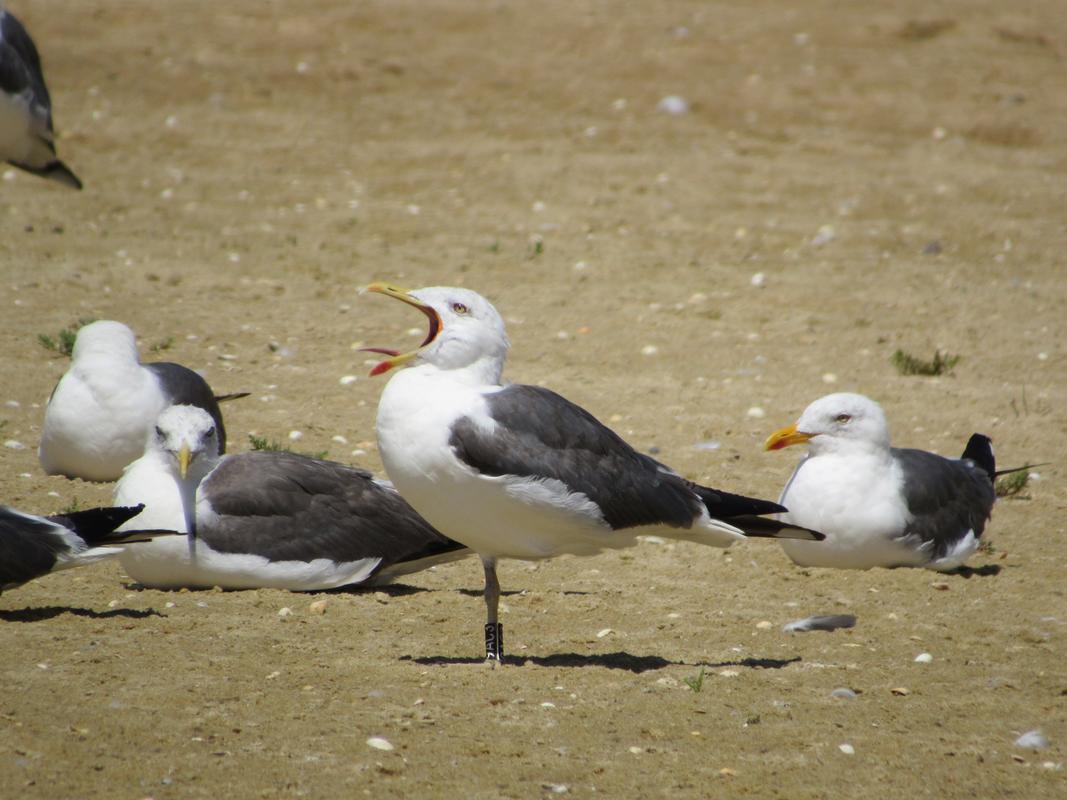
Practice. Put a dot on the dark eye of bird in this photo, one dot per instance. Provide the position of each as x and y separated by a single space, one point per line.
159 432
459 308
211 434
843 418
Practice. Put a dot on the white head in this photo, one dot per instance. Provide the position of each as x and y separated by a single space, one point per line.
105 338
186 436
465 332
836 421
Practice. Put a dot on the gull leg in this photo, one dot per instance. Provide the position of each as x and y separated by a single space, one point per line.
494 631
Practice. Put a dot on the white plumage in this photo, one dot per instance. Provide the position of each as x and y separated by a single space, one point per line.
879 505
517 471
103 407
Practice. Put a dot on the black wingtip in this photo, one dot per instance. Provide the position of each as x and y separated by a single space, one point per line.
53 170
767 528
724 505
96 524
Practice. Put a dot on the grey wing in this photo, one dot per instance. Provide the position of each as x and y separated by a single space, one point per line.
945 497
543 435
183 386
285 506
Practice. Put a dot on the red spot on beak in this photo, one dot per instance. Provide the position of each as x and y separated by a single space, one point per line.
383 366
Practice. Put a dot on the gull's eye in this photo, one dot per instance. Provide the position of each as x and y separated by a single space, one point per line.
211 433
159 433
844 418
461 309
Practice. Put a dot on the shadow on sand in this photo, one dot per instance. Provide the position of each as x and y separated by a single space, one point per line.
621 660
50 612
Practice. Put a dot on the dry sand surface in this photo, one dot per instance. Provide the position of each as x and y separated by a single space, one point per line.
896 173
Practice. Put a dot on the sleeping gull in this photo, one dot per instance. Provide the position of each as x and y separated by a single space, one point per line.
881 506
26 137
102 409
267 519
32 546
517 471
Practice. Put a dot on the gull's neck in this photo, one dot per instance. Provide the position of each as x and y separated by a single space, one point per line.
486 371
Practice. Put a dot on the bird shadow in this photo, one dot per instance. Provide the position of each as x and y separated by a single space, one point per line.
391 589
42 613
984 571
512 592
620 660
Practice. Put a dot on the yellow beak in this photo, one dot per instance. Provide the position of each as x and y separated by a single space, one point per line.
786 437
395 358
183 460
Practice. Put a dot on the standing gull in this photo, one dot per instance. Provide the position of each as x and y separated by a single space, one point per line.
267 519
517 471
26 137
32 546
881 506
102 409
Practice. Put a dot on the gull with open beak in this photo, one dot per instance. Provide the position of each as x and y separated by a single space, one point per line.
516 471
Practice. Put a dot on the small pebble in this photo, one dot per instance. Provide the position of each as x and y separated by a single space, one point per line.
547 704
843 692
378 743
347 380
900 691
285 611
829 377
649 350
825 235
555 788
923 658
1034 739
296 436
604 632
673 104
940 586
711 444
756 413
637 750
339 439
11 444
763 625
847 749
318 607
758 280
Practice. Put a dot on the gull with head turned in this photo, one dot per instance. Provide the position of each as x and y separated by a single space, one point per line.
517 471
881 506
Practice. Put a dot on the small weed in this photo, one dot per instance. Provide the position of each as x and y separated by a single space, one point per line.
166 344
696 683
494 247
63 342
72 508
1013 483
908 364
985 547
273 445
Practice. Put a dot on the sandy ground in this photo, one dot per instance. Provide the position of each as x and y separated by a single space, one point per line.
896 173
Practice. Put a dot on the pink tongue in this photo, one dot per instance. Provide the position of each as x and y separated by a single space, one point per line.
385 351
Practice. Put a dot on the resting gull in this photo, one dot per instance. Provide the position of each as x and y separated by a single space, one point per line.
881 506
103 407
518 471
267 519
26 137
32 546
